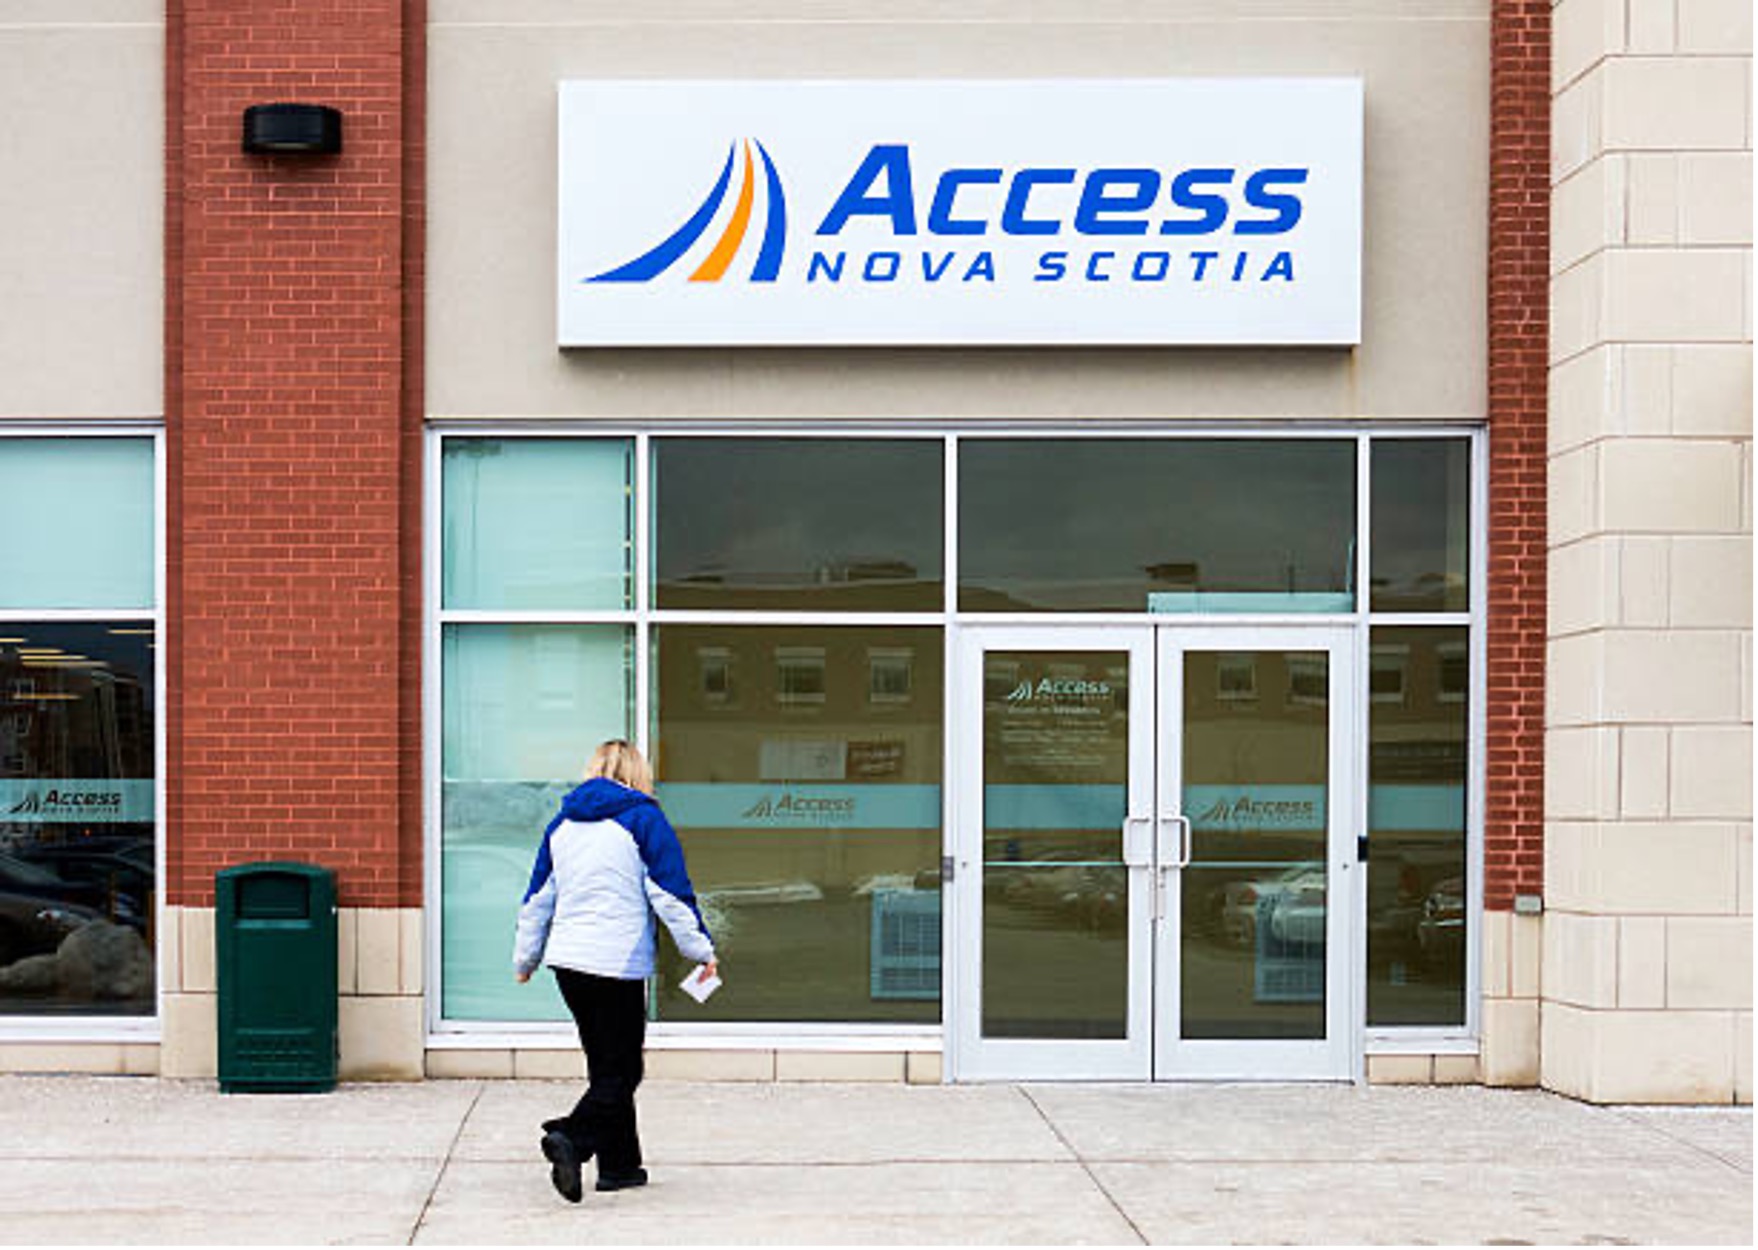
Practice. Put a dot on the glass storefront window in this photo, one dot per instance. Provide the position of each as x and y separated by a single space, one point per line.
523 707
538 523
78 881
1417 922
87 506
808 524
1421 539
801 762
1167 525
801 768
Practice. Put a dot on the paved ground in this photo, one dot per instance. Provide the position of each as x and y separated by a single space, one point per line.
120 1159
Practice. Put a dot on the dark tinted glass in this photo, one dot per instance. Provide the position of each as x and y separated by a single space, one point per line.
1170 525
811 524
1421 525
1256 891
1055 887
1416 872
801 769
77 876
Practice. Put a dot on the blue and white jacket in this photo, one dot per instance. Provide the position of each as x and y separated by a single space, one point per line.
608 862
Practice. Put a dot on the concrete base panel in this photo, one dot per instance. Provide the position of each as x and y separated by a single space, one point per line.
1509 1054
381 1039
85 1058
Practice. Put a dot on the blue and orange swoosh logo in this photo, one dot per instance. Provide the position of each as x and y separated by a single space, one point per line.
650 265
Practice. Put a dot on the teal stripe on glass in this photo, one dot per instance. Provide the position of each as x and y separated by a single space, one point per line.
1416 809
1278 602
801 805
1053 807
76 523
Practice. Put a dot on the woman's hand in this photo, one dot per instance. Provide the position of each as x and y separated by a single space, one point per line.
711 969
521 977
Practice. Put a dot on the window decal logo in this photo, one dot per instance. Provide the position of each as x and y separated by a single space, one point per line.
652 264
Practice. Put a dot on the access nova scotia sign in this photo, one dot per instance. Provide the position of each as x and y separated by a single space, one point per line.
1197 211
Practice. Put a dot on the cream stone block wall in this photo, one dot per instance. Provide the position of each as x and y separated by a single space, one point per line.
1509 1045
1512 964
1641 1056
1400 1069
925 1068
711 1065
471 1065
380 1021
667 1063
189 1035
811 1065
93 1058
549 1065
1647 941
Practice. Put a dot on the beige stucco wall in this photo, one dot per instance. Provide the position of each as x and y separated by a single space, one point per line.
81 208
1647 962
494 66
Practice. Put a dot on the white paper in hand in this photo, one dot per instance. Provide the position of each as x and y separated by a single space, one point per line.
699 985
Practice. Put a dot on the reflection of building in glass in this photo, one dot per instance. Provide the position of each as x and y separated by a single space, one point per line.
66 721
77 870
801 766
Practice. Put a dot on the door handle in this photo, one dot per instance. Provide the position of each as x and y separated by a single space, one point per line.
1136 855
1186 840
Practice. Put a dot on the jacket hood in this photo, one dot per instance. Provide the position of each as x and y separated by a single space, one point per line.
600 799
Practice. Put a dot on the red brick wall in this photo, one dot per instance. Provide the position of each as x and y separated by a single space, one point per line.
1519 294
292 408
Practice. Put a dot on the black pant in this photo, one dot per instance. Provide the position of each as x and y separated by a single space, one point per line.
611 1015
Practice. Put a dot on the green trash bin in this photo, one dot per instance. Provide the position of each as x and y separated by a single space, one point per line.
275 938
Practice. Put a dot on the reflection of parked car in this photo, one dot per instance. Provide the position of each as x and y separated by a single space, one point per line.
115 876
1295 912
30 925
1295 894
1095 896
1440 933
110 884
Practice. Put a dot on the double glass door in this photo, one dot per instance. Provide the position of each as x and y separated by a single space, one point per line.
1156 874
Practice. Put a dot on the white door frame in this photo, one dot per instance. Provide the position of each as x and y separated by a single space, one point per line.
1150 1048
1334 1057
975 1057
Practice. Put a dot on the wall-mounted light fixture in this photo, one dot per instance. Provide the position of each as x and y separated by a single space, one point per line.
292 129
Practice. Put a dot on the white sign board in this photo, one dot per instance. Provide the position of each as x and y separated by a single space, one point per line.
1210 210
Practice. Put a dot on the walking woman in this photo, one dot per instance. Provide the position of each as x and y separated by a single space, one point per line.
608 862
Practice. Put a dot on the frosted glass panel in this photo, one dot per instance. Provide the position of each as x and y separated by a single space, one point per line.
523 707
537 523
76 523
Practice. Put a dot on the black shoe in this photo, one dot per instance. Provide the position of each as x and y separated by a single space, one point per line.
564 1165
608 1181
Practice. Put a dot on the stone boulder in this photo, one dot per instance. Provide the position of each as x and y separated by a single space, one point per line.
103 960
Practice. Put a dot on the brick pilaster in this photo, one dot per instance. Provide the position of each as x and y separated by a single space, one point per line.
1519 326
293 417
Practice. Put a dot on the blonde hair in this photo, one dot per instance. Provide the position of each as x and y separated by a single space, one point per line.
621 761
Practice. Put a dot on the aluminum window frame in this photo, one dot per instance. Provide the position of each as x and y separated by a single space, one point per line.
783 1035
133 1030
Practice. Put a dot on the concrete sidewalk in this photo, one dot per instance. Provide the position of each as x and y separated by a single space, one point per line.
118 1159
